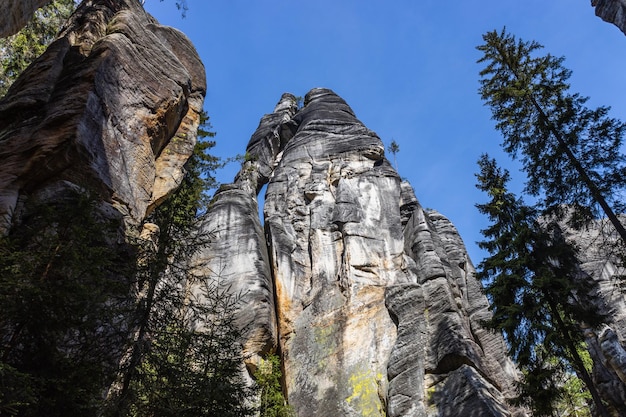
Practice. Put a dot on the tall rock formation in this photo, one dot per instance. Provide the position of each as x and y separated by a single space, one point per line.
112 105
111 109
612 11
601 263
370 300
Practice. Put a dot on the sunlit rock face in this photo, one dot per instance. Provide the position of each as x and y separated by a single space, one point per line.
236 255
376 307
16 14
335 239
112 105
612 11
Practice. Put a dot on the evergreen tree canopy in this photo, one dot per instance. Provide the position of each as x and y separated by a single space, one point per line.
186 358
63 291
570 153
538 296
268 377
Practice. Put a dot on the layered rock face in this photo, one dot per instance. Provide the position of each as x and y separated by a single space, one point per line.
333 222
111 110
112 106
371 301
612 11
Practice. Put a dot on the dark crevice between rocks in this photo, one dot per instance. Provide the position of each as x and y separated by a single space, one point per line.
278 351
451 362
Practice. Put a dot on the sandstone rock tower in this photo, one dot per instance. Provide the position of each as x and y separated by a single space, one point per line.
113 105
370 300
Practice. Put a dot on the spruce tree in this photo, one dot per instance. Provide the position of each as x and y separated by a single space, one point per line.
570 153
393 148
537 295
62 293
186 358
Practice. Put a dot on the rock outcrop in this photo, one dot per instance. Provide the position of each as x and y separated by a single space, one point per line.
109 112
370 300
600 261
16 14
612 11
112 106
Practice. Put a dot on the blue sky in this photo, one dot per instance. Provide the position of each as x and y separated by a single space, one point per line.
407 68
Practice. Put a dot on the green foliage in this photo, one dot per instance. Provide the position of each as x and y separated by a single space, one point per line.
186 359
249 157
575 399
570 153
537 297
268 377
393 148
17 390
18 51
182 6
195 371
61 295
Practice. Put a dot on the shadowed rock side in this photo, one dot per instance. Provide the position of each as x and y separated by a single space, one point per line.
112 105
607 346
464 366
16 14
377 308
612 11
111 110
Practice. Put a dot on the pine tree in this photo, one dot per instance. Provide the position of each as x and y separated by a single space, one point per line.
62 292
193 366
393 148
570 153
186 358
537 295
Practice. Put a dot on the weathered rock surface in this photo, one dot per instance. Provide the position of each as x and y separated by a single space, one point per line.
112 105
16 14
612 11
377 308
110 110
236 255
336 243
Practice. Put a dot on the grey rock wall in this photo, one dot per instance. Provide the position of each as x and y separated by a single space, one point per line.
377 310
335 241
612 11
236 255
